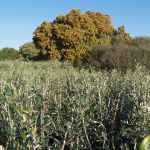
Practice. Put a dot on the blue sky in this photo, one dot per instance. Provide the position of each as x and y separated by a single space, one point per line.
19 18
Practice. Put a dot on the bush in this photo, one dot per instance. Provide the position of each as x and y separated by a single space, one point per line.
142 42
118 56
8 54
28 51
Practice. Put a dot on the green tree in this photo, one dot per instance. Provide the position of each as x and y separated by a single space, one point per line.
71 36
8 54
28 50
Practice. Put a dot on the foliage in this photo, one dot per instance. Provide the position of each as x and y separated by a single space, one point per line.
119 56
8 54
142 42
120 36
145 143
28 51
51 105
69 37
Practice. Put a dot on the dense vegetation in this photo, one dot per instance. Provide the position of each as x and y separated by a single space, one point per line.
8 54
69 37
87 40
54 106
28 51
103 103
121 56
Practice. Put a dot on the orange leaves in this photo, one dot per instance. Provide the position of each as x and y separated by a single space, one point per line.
71 36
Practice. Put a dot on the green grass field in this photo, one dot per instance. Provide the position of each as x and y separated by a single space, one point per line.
52 105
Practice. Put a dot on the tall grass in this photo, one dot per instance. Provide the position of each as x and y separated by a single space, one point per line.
51 105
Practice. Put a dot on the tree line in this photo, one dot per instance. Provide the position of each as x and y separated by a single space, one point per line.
85 39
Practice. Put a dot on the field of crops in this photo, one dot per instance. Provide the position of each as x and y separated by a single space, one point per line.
53 106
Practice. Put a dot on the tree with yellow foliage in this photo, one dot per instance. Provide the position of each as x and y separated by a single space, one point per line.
71 36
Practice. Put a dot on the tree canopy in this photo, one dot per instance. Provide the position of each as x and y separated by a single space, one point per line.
70 36
28 50
8 54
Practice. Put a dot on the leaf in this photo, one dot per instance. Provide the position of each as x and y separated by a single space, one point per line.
27 111
145 145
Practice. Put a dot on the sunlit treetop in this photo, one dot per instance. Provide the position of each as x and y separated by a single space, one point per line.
69 37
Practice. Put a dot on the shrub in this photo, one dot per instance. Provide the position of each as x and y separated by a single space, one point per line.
8 54
141 42
28 51
118 56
